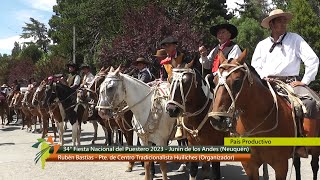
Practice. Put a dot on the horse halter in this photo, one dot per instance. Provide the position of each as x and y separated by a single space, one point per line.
177 78
104 86
223 82
177 81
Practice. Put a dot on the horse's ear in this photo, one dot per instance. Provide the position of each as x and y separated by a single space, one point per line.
102 69
117 70
190 64
242 57
221 57
107 69
111 69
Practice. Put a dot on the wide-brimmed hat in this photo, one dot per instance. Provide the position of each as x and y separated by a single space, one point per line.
231 28
161 53
169 40
141 60
274 14
72 65
84 66
4 85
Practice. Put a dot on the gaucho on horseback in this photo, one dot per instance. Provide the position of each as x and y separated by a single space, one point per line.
224 33
278 57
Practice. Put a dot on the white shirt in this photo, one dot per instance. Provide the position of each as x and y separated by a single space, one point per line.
207 61
285 59
88 78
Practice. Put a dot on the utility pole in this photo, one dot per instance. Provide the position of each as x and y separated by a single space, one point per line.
74 44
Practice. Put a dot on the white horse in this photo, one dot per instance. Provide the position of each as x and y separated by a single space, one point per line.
147 103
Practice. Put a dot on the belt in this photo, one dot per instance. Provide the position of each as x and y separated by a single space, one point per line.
286 79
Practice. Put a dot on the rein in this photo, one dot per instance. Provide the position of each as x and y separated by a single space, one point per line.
231 113
177 80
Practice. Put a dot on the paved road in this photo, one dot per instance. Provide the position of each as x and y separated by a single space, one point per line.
16 161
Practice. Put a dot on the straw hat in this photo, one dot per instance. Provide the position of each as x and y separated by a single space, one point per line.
161 53
274 14
231 28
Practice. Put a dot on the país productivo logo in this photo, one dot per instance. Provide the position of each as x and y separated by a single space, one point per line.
44 150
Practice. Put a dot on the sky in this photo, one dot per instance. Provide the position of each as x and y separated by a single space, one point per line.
14 14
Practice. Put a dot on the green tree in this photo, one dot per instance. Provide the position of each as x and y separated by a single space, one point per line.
32 52
250 34
306 23
38 31
16 50
256 9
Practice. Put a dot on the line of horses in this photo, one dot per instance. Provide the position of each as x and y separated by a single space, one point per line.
118 101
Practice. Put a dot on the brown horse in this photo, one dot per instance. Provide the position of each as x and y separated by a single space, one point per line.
34 103
4 108
190 96
16 105
241 95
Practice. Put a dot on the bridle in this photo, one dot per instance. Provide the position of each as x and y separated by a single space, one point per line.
104 93
223 82
232 111
121 107
177 78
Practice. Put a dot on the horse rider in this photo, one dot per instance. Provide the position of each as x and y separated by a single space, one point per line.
87 75
173 59
144 74
279 57
224 33
73 79
32 84
160 55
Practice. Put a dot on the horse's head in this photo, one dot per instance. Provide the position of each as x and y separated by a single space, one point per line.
26 100
94 88
16 99
183 85
50 94
231 80
112 93
39 94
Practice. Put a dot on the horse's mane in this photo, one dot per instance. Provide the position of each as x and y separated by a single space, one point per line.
253 71
135 79
67 90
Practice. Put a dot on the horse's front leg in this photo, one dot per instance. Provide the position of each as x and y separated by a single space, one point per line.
95 133
147 175
79 134
252 169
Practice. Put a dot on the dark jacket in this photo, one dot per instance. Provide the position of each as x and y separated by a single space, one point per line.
145 75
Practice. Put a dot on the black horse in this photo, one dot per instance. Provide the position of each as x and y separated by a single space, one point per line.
66 100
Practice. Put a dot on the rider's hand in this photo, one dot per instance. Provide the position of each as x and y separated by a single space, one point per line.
203 51
297 83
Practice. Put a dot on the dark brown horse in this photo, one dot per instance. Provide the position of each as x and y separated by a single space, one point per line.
245 101
190 97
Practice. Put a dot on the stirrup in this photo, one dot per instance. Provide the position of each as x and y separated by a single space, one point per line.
178 132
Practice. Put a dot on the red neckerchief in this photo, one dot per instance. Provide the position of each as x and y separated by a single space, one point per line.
169 58
216 61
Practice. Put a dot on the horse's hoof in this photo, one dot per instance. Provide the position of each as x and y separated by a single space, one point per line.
182 168
92 142
22 128
129 169
192 178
